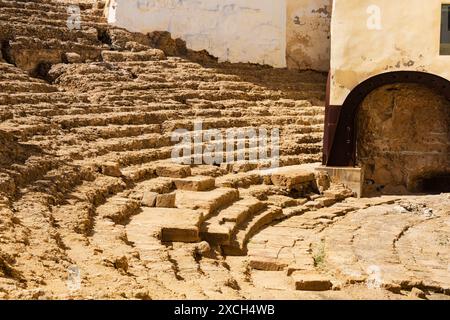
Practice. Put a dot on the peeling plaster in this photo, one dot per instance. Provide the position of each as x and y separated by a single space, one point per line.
292 33
232 30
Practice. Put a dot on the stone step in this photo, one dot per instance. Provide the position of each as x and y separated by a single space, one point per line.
58 108
117 118
116 131
102 146
25 86
139 161
272 121
183 95
44 5
285 201
25 16
79 210
240 180
148 55
96 192
219 229
14 99
291 177
47 17
53 51
118 209
33 169
156 141
139 165
207 202
62 33
250 227
228 112
195 183
176 225
308 281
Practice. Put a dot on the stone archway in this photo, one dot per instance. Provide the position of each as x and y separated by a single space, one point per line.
339 144
402 140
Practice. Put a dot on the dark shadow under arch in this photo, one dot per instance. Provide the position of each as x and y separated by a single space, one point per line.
339 148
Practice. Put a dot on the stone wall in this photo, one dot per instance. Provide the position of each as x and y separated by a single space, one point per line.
403 138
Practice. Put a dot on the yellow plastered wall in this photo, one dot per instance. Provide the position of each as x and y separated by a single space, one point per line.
308 34
369 37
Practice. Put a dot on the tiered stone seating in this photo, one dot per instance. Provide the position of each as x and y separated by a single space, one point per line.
86 177
86 118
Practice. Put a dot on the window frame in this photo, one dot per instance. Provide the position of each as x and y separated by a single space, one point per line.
444 46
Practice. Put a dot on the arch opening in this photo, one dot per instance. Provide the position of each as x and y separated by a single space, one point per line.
340 121
403 140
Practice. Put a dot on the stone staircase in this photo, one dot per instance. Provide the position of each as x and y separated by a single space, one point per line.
194 208
86 118
122 105
35 33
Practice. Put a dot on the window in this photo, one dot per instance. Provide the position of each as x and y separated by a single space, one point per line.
445 30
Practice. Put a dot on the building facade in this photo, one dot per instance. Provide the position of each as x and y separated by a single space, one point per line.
389 90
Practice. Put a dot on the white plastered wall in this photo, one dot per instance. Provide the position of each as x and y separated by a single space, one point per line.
232 30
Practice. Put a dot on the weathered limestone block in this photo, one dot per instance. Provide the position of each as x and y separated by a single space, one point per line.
295 211
149 199
166 200
118 209
267 264
243 166
290 177
216 233
322 180
313 204
262 192
148 55
195 183
282 201
158 185
120 37
416 293
72 57
239 180
208 201
164 41
203 248
135 46
110 169
338 193
241 209
179 225
307 281
173 171
326 202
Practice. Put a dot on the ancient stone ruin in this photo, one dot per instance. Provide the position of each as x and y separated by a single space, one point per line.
93 206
